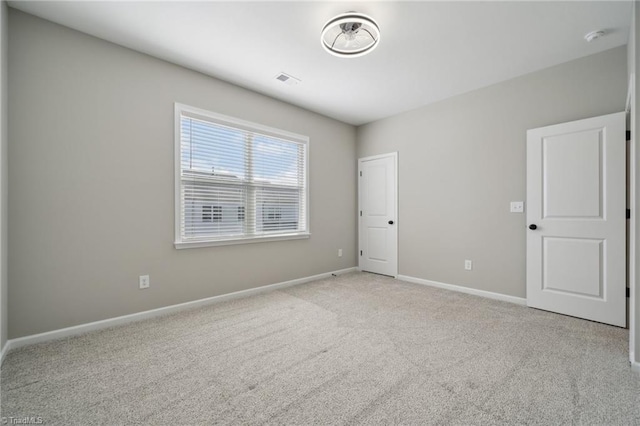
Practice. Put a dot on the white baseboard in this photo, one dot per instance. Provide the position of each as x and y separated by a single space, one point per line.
635 366
4 351
98 325
473 291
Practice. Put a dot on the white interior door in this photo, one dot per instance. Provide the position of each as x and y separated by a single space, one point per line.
576 218
378 206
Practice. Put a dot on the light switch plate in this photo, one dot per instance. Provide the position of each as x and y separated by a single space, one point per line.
517 207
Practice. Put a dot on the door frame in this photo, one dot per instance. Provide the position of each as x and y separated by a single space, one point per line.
633 218
394 155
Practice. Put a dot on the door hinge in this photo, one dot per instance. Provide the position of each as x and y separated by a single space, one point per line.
360 252
360 174
360 212
628 135
628 292
628 213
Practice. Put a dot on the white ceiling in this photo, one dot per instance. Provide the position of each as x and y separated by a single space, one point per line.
428 51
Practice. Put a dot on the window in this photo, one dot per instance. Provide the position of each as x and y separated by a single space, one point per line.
211 213
216 214
206 213
237 181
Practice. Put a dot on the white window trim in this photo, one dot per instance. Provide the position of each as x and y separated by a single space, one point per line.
179 109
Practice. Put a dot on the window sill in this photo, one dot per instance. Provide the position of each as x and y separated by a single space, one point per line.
232 241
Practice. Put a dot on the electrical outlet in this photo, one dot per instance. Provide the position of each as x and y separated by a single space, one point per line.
468 265
144 281
339 252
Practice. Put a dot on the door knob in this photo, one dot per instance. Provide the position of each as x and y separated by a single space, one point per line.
533 226
390 222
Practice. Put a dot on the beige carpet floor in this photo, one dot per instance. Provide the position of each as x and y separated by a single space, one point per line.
355 349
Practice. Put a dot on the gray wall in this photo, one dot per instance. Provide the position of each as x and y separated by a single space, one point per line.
4 43
462 160
91 179
91 183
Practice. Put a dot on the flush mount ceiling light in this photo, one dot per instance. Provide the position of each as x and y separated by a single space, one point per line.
350 35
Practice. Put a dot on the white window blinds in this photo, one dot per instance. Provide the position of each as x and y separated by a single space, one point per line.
237 180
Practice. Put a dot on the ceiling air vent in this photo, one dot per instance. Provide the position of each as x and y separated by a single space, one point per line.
287 79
